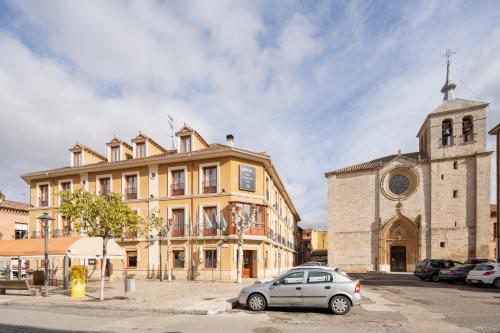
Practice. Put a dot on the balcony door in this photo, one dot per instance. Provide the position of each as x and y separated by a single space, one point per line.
178 222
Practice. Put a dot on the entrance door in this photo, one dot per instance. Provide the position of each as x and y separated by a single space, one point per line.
247 264
398 259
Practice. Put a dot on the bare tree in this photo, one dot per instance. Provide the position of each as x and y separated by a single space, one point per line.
242 225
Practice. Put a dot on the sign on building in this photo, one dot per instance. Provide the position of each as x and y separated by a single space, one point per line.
247 178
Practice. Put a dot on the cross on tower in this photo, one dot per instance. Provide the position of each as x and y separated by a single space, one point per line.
448 55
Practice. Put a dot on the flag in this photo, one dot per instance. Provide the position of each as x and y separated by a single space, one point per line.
208 223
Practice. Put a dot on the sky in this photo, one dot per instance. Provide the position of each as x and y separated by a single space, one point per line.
317 84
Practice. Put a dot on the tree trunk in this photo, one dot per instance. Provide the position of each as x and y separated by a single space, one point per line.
169 258
240 259
103 267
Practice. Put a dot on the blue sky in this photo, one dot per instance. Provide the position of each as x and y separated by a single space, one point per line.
318 85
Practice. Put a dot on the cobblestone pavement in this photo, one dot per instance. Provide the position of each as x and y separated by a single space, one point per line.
391 303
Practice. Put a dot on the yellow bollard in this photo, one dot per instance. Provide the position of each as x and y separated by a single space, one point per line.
78 279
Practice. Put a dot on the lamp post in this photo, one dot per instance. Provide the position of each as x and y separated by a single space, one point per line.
45 218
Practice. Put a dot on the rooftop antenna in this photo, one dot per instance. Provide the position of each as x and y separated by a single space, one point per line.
171 124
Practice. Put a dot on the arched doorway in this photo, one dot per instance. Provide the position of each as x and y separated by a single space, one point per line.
399 245
398 258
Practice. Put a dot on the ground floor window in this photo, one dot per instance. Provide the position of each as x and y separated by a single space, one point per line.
179 257
210 258
132 259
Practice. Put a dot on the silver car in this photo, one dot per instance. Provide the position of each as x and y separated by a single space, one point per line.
319 286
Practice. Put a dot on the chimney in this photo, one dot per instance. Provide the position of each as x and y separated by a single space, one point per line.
230 140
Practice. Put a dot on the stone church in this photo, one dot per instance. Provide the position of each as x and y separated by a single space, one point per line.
391 212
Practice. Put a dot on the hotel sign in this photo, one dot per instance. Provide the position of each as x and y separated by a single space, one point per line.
247 178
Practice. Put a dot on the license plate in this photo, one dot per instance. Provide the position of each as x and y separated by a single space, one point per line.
473 281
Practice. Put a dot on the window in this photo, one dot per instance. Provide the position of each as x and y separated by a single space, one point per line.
179 257
447 132
21 231
455 193
66 224
105 184
485 267
131 189
209 221
115 154
186 144
210 179
140 150
66 186
455 165
467 129
292 278
319 277
44 195
131 259
178 181
495 235
267 189
77 159
442 244
210 258
178 222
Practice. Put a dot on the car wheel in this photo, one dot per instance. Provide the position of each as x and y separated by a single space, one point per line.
256 302
340 305
496 283
435 278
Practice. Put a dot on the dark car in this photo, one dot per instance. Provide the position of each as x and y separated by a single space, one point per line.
456 274
477 261
428 269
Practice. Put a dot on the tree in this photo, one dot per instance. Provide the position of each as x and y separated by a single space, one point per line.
155 227
104 216
242 227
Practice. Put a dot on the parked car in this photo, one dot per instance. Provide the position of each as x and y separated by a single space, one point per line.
318 286
477 261
428 269
456 273
486 273
312 263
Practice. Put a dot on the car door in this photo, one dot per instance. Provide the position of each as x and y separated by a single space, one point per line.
287 290
317 289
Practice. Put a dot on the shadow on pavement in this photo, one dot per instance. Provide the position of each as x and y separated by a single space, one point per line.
29 329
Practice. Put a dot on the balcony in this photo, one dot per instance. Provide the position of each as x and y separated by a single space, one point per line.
177 189
131 194
131 235
210 232
43 202
258 230
210 187
178 231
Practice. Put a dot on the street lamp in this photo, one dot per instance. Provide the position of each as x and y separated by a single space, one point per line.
45 218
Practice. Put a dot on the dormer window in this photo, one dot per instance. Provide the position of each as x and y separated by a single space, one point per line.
77 159
140 150
447 132
115 153
186 144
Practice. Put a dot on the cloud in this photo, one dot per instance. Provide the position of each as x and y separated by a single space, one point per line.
318 85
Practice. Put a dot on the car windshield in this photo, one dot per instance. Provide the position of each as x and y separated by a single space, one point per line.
422 263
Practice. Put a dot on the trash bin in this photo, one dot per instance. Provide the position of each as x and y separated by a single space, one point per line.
129 285
7 273
38 278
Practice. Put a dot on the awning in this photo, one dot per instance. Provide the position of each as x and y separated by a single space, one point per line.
75 247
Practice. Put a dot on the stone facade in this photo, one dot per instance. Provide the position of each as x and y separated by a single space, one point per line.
389 213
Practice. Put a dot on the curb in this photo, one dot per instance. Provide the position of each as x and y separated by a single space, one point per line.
230 304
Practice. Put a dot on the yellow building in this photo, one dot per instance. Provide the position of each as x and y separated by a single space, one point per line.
314 245
196 184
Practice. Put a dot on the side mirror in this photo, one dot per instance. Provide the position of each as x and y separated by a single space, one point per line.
276 283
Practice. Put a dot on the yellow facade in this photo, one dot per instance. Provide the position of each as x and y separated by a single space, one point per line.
208 254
